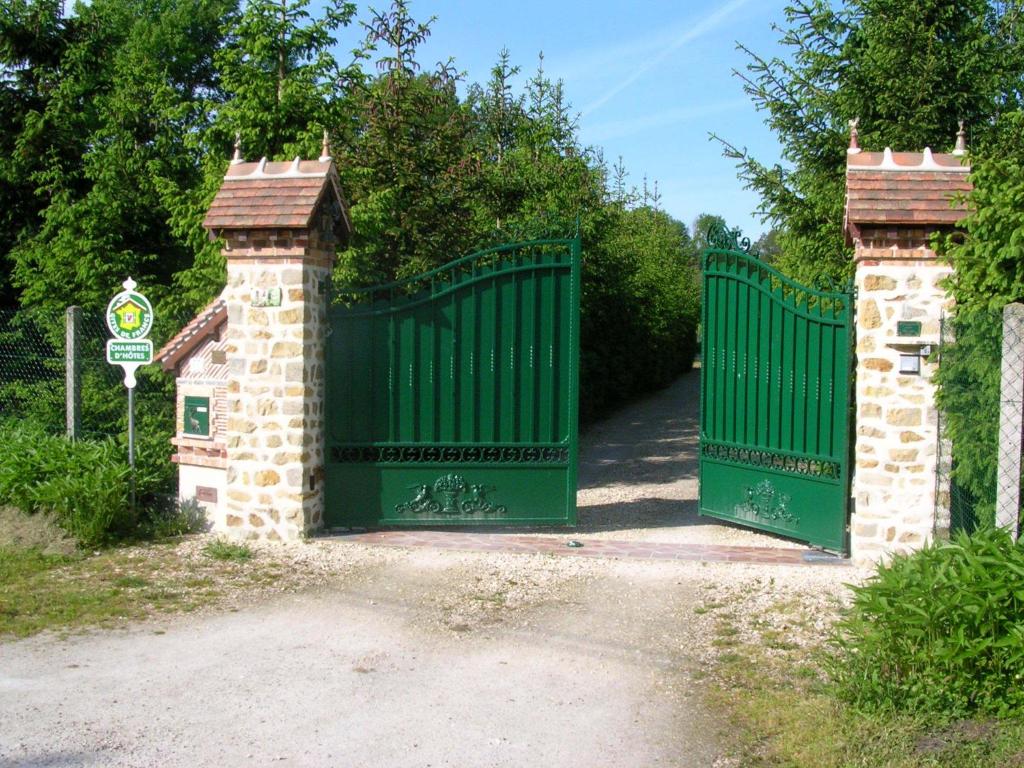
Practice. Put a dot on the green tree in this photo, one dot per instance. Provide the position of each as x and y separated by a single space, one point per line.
125 94
407 172
988 261
908 71
279 86
33 36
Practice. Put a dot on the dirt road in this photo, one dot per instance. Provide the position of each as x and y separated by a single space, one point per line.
419 657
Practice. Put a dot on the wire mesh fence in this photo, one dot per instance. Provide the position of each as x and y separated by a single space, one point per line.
976 437
33 380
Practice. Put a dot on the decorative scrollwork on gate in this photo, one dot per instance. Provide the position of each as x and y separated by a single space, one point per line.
451 454
758 457
450 495
765 502
721 237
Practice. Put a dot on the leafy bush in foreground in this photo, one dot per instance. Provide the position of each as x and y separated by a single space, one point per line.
84 483
940 631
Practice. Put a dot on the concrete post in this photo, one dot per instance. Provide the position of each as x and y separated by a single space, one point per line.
1011 420
73 371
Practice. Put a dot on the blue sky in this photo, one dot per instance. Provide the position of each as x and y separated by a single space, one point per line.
650 80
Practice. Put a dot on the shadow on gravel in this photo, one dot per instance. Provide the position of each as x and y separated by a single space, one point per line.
652 441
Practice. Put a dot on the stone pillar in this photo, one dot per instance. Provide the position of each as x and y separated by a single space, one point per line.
276 296
896 421
281 224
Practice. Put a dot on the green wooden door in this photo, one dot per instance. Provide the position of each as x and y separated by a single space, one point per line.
452 397
775 399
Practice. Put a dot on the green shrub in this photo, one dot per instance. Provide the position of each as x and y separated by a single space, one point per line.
84 483
940 631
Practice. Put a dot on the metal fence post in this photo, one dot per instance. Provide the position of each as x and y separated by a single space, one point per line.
1011 420
73 371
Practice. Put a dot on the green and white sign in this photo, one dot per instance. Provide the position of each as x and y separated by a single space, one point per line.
130 319
120 352
129 314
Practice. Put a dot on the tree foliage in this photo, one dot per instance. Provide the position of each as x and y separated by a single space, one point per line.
907 71
119 117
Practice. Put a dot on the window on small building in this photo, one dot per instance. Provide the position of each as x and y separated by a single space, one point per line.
197 416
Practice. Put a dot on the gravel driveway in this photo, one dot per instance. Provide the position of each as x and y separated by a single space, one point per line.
428 658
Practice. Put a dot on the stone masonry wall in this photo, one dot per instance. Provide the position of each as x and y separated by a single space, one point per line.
275 390
897 423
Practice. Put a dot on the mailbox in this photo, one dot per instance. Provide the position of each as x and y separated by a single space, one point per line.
197 416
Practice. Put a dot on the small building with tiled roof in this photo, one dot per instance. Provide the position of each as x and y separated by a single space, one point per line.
197 356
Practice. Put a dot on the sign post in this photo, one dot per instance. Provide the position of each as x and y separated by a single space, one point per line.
130 319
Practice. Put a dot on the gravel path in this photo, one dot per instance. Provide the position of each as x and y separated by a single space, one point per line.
638 475
418 657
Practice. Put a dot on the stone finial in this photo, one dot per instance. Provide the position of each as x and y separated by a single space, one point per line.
325 148
237 158
961 141
854 147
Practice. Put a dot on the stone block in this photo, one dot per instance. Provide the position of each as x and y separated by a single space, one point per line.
266 477
876 364
879 283
903 454
868 316
904 417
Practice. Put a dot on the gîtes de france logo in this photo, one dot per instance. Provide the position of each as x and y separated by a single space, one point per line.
129 314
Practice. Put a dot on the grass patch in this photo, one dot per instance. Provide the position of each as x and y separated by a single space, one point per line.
65 593
784 714
219 549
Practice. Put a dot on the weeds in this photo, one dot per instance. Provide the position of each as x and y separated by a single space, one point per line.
219 549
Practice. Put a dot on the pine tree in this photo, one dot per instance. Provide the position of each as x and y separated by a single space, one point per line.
907 70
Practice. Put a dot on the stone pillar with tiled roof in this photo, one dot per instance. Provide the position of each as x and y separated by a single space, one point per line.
281 223
895 203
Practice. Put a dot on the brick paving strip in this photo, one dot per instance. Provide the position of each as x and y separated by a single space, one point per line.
559 545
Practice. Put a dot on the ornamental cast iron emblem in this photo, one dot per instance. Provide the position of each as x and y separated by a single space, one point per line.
765 502
450 495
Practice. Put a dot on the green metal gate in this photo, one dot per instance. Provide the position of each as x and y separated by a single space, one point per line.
775 399
452 396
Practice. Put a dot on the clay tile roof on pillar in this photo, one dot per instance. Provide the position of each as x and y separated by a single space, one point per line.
271 195
915 188
206 324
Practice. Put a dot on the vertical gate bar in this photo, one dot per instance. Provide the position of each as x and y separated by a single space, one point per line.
722 298
750 367
761 385
827 446
468 394
573 356
706 350
489 384
742 338
723 356
729 371
508 335
546 431
394 376
563 341
814 407
406 398
528 352
788 376
800 385
449 362
431 391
